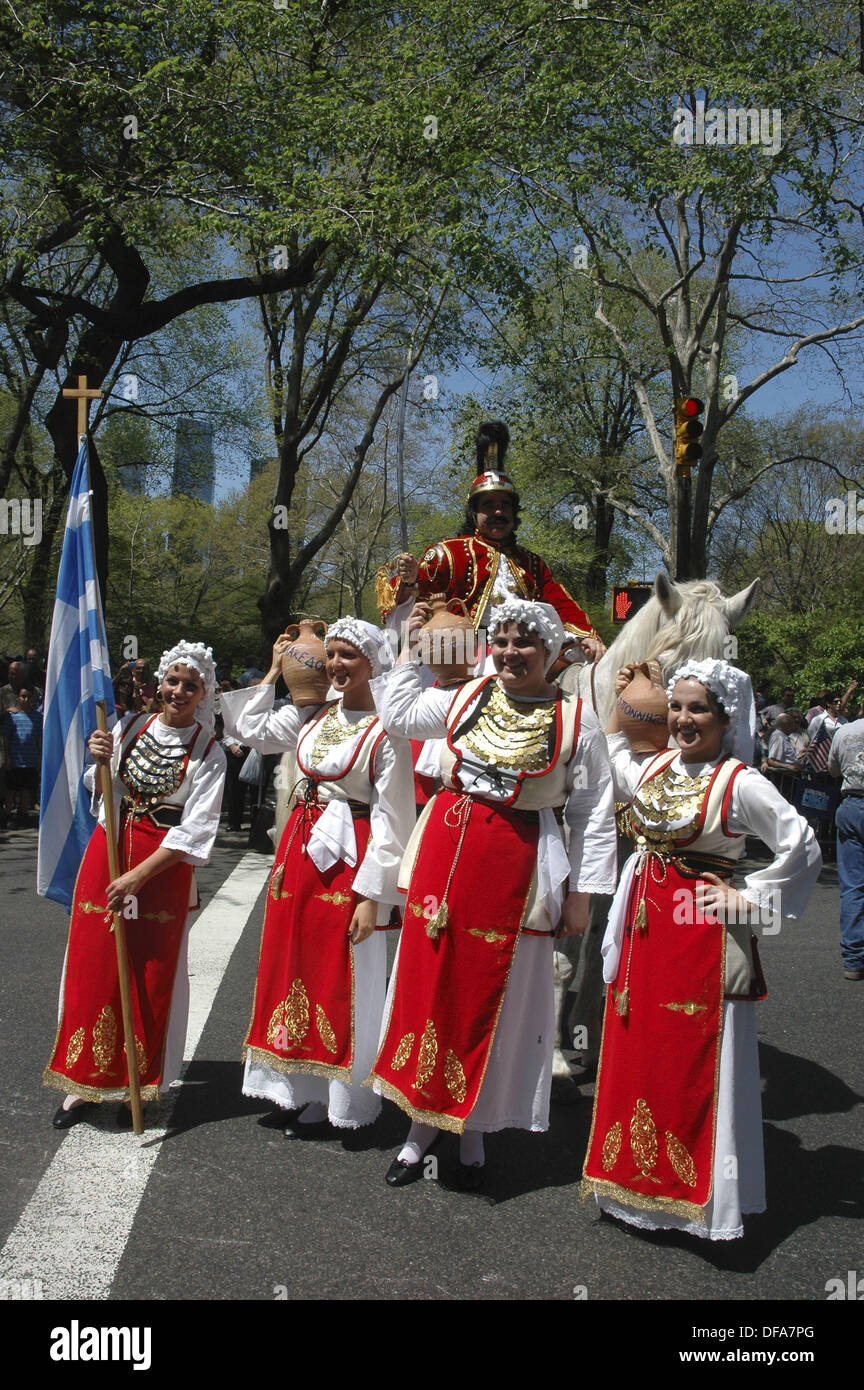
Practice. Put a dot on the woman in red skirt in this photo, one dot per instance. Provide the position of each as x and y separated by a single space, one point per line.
168 773
321 976
468 1041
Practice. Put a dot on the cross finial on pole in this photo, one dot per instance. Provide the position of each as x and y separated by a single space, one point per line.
83 394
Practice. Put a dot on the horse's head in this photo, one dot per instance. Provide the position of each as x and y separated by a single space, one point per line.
680 622
696 621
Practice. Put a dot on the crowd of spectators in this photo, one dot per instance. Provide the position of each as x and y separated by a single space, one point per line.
793 747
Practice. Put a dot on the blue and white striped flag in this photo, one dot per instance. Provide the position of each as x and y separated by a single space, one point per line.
78 674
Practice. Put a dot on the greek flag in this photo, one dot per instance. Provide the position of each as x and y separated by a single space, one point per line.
78 675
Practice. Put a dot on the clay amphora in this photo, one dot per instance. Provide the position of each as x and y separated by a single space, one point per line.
448 645
303 662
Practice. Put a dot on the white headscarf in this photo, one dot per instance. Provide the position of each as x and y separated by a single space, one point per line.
368 639
200 659
535 617
732 689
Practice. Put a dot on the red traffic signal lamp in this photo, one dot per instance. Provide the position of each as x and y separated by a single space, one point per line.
688 428
627 599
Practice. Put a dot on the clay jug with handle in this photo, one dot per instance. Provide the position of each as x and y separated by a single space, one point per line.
641 709
303 662
448 645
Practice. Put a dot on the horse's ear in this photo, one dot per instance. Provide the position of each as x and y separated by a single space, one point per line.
667 594
739 605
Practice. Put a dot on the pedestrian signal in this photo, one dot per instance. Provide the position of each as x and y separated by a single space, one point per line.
688 428
627 599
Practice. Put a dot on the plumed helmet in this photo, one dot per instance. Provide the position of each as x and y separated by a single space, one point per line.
492 440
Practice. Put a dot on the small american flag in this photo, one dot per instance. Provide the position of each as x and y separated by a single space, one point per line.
820 747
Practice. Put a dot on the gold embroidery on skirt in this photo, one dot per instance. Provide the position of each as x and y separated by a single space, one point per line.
276 881
325 1032
297 1012
105 1039
612 1146
490 937
454 1077
681 1159
87 906
73 1051
140 1057
416 908
690 1007
427 1055
161 916
403 1052
643 1137
275 1023
337 898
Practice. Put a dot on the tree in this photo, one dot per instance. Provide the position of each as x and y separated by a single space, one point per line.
723 140
391 151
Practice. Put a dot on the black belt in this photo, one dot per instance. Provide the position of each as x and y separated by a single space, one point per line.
162 815
359 809
707 863
852 791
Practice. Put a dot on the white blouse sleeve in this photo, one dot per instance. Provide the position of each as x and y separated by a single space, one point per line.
405 708
786 883
590 813
200 820
627 766
391 820
249 716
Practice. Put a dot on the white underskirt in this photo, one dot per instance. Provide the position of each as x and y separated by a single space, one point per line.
518 1082
349 1104
739 1158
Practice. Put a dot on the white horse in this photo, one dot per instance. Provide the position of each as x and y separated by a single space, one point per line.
680 622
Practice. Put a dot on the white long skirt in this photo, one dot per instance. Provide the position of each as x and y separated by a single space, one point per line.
518 1082
739 1158
350 1105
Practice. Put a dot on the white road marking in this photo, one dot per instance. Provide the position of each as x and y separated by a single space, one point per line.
73 1231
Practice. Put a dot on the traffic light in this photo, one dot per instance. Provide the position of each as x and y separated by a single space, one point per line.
688 428
627 599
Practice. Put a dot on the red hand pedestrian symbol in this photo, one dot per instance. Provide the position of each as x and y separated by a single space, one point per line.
623 602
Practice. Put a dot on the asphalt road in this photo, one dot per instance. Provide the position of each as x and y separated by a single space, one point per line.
222 1209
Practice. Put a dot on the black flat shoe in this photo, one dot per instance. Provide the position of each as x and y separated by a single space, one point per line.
466 1177
318 1129
402 1174
65 1119
276 1119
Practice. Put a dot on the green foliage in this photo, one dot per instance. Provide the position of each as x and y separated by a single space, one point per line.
806 650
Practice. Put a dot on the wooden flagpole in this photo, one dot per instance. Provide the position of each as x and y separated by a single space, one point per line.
83 395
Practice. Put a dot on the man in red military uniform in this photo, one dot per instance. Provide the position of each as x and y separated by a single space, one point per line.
484 565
